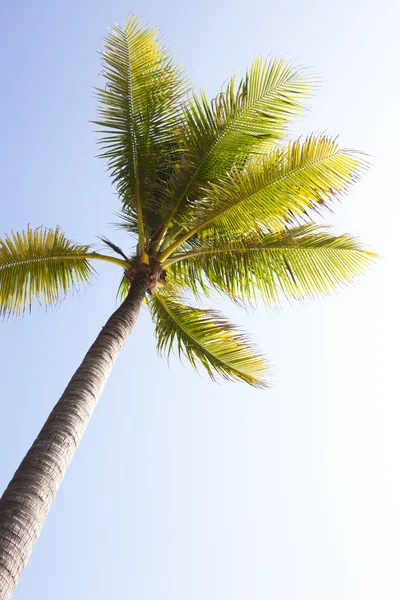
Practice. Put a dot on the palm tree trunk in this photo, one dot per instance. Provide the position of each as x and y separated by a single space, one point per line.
28 497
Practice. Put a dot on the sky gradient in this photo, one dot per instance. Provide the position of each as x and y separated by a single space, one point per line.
183 489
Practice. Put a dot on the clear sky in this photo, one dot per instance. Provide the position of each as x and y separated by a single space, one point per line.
183 489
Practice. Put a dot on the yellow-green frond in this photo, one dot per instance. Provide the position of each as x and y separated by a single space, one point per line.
274 191
249 118
39 264
205 338
302 262
278 188
243 120
138 113
123 289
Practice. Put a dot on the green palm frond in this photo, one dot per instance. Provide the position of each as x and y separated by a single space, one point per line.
39 264
123 289
205 338
274 191
304 261
246 120
241 121
139 110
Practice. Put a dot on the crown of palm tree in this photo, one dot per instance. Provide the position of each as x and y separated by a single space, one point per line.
213 197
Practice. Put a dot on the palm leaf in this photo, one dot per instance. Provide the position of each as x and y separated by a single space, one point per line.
138 113
304 261
244 120
39 264
205 337
274 191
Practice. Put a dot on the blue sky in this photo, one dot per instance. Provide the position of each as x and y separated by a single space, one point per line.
182 488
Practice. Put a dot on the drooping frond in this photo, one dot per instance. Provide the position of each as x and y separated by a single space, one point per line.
114 247
123 289
274 190
241 121
39 264
205 338
138 114
304 261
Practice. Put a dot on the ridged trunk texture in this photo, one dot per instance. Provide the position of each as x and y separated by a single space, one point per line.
28 497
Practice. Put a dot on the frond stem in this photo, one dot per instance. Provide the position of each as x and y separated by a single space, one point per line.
243 249
106 258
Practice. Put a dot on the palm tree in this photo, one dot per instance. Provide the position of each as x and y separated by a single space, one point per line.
215 202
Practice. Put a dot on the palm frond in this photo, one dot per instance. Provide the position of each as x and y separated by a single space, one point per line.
243 120
127 220
41 264
249 119
205 338
114 247
302 262
138 114
274 191
123 289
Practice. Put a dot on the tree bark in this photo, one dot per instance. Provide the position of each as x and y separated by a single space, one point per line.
28 497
